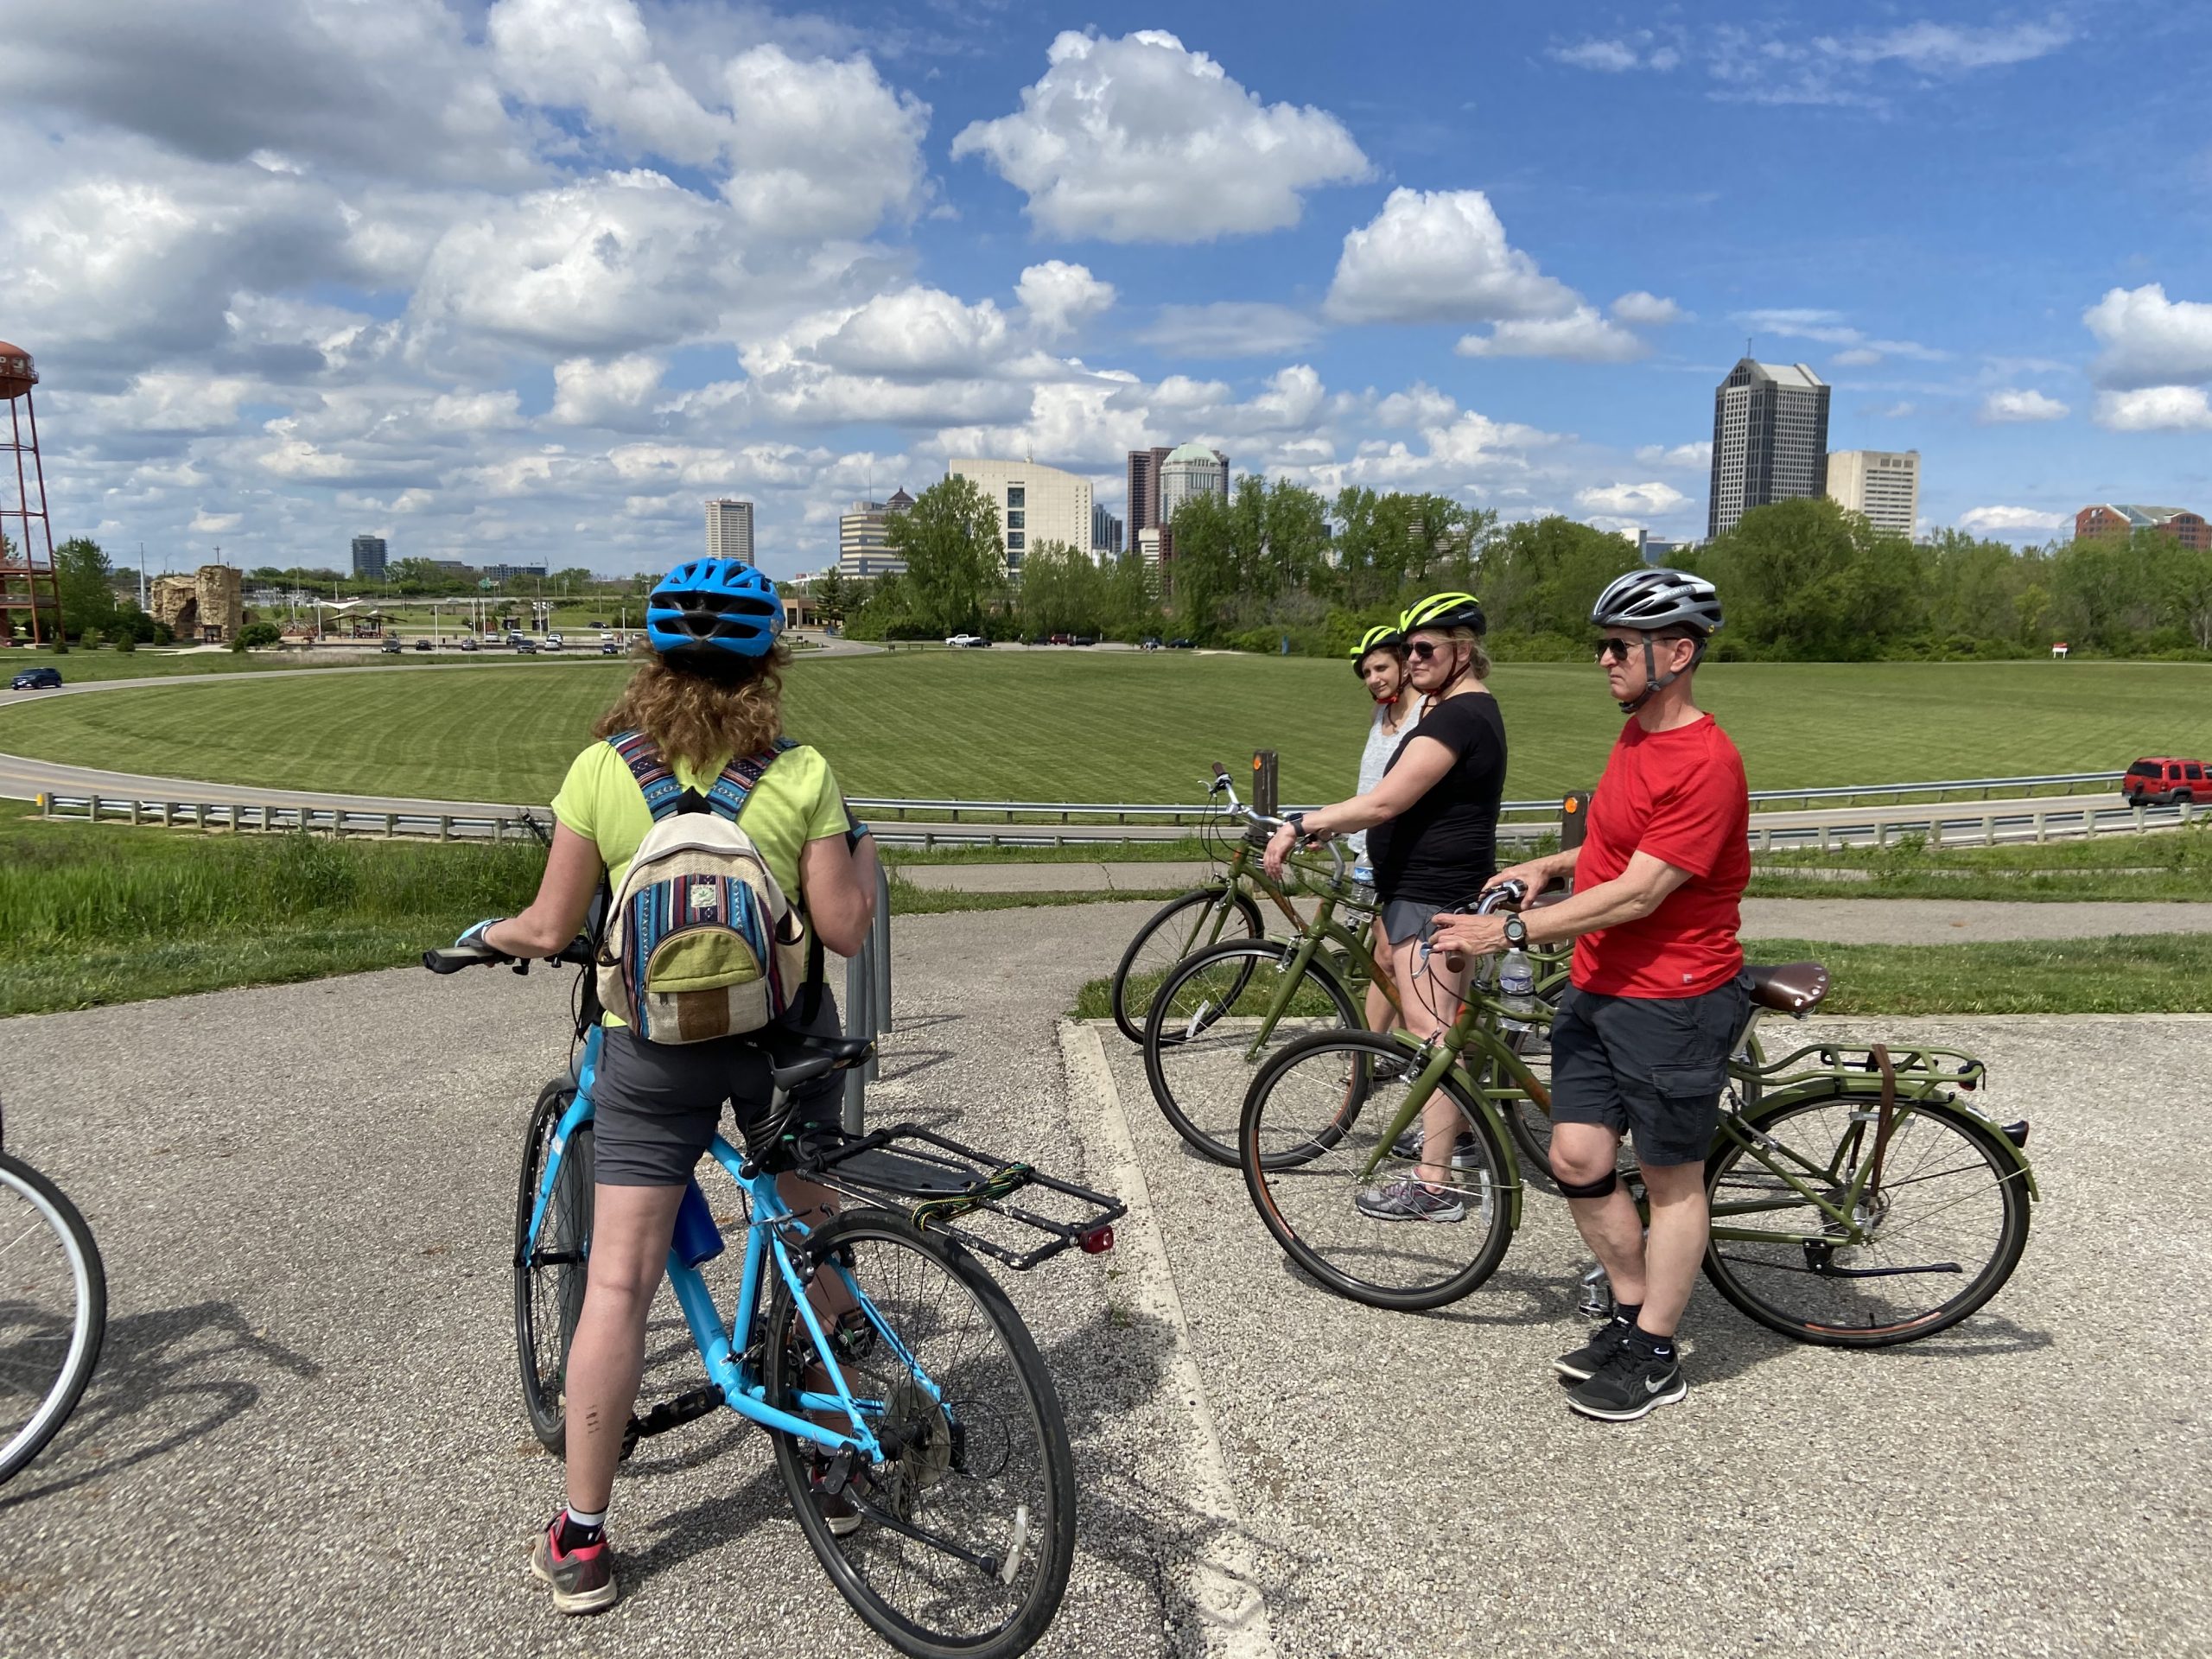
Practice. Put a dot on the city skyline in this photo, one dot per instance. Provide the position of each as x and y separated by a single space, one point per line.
492 301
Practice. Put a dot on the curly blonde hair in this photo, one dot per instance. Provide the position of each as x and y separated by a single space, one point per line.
705 715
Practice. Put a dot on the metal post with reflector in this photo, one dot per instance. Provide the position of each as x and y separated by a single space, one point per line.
1264 794
1573 818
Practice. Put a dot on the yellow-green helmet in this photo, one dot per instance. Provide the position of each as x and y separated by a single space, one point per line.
1380 637
1445 611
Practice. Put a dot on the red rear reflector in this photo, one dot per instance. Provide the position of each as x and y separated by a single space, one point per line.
1097 1241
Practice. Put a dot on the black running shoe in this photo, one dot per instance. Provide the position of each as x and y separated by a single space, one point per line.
1583 1363
1629 1384
582 1580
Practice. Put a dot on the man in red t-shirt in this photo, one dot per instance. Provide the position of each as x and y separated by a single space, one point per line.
1657 999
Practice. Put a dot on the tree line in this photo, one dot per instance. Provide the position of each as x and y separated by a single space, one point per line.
1274 567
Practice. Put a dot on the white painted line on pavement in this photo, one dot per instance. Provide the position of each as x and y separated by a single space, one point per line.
1224 1579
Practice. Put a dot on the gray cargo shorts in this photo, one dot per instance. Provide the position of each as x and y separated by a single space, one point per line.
1646 1067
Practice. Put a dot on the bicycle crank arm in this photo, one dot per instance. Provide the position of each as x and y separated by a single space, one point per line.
702 1401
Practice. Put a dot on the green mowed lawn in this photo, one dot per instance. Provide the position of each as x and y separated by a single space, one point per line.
1120 725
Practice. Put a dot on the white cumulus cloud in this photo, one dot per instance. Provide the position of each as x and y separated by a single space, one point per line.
822 146
1058 296
587 392
1686 457
1439 257
2155 409
1632 500
1138 139
1991 521
2149 339
2009 405
1580 336
1648 309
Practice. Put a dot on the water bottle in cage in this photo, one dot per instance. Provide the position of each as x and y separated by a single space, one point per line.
1517 990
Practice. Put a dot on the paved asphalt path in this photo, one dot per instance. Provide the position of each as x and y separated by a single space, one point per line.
305 1435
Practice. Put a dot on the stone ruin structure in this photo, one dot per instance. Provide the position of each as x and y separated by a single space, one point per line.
208 605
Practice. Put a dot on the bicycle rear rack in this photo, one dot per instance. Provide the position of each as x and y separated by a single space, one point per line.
937 1182
1920 1072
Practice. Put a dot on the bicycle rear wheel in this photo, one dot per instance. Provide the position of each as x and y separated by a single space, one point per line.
981 1488
550 1280
1950 1222
1208 916
52 1311
1312 1120
1208 1033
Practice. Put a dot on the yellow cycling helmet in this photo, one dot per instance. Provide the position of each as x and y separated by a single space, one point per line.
1380 637
1445 611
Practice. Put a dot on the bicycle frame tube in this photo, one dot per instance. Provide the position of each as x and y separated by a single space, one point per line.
1290 970
1443 1059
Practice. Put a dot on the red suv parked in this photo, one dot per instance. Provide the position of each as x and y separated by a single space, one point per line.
2160 781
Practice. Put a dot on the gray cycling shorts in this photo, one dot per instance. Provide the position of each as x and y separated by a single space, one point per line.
1649 1068
1403 919
656 1106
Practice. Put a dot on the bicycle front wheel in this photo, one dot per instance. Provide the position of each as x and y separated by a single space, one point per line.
967 1527
1211 1028
1946 1225
1425 1226
1206 917
52 1311
550 1277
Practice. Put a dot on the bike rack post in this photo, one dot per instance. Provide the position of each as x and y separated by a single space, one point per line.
868 1002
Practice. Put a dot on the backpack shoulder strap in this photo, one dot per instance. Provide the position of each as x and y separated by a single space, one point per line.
664 793
741 777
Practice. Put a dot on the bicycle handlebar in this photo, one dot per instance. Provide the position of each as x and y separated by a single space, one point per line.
452 958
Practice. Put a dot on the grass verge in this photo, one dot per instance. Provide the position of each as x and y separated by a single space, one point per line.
2158 973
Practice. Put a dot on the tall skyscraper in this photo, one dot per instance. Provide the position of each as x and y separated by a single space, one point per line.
1036 504
1105 533
1192 470
1769 439
1144 489
729 530
368 558
1884 484
863 538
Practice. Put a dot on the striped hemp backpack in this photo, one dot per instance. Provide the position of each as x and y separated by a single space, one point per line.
700 941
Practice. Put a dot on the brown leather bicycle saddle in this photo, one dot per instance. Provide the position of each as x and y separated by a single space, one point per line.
1788 987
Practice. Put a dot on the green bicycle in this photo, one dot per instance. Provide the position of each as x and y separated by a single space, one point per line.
1220 1013
1858 1199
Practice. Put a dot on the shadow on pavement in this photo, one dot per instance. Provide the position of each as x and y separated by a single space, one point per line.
165 1379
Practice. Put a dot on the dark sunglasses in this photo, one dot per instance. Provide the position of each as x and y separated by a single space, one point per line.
1424 649
1613 650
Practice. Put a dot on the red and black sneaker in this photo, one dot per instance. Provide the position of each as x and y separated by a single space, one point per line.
583 1578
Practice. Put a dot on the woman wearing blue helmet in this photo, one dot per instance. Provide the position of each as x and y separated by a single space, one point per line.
706 695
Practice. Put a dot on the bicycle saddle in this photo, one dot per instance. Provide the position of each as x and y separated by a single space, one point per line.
1788 987
817 1056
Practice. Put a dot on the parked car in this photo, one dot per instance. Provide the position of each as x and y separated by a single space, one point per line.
1061 640
2161 780
526 647
1179 644
1150 642
554 642
36 680
963 640
1084 640
977 642
1041 639
392 647
469 644
422 644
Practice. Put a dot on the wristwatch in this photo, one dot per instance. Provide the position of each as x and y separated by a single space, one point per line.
1516 932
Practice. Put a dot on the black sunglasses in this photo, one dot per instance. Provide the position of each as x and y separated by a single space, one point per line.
1424 649
1613 650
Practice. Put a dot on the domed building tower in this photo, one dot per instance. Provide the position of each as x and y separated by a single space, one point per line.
31 593
1194 469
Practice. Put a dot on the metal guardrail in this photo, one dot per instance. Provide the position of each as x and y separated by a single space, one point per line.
2002 821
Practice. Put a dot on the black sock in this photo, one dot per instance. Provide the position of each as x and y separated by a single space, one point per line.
1658 1347
1626 1313
575 1534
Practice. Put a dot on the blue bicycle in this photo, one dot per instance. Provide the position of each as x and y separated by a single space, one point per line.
899 1386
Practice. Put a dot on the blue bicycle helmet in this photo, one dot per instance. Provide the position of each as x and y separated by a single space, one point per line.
721 604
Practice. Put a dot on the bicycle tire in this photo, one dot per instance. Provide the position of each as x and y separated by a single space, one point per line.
1129 1012
72 1362
1287 1133
1753 1284
1204 1099
973 1442
549 1297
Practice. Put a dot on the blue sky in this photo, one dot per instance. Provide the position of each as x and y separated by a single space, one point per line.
531 279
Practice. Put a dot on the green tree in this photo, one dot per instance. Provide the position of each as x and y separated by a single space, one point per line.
1805 579
1539 577
949 540
1062 591
2189 592
83 572
832 594
575 579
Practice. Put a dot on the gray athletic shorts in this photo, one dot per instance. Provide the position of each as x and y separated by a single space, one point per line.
1403 919
656 1106
1651 1068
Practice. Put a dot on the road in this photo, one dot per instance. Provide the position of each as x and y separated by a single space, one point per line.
305 1436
